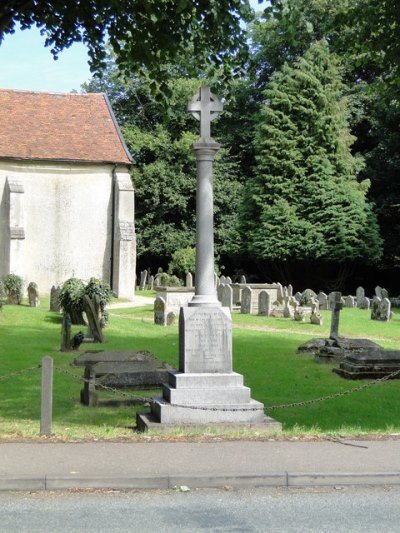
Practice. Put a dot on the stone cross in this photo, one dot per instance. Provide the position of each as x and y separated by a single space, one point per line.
337 306
205 107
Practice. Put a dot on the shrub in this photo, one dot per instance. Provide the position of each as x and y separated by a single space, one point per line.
14 286
168 280
307 297
103 291
71 299
183 261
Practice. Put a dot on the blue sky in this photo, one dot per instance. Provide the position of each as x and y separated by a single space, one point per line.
26 64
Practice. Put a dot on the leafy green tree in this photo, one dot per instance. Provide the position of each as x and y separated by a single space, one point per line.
151 33
304 201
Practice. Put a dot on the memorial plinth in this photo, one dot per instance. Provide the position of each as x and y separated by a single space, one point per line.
205 390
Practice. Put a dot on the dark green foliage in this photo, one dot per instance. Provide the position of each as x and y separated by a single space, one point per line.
183 261
71 299
2 294
307 296
304 201
14 286
150 34
98 287
169 280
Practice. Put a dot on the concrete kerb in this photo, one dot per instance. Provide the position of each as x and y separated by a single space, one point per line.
279 479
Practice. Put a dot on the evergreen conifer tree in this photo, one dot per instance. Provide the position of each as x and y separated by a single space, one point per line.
304 201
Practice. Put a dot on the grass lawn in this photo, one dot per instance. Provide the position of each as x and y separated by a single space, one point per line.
264 351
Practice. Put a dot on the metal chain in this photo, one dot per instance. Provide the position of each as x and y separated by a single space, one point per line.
336 395
19 372
79 379
146 400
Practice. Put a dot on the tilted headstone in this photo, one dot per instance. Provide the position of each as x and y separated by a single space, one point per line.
300 315
55 299
229 280
151 283
157 281
92 310
337 306
378 292
222 279
290 290
227 296
246 305
243 280
143 280
189 280
288 310
316 317
385 293
298 296
160 314
264 303
350 302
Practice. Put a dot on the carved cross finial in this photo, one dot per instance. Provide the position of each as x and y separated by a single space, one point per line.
205 107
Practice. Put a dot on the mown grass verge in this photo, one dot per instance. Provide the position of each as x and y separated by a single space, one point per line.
264 351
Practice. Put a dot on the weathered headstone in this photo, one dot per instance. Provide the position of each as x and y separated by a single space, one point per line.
264 303
378 292
385 310
171 316
55 299
300 315
360 295
143 280
189 280
222 279
243 280
33 295
290 290
160 311
365 303
279 295
298 296
151 283
92 310
376 308
246 305
316 317
227 295
336 307
350 302
66 333
228 280
323 301
220 291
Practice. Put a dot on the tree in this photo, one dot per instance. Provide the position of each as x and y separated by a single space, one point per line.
304 201
150 34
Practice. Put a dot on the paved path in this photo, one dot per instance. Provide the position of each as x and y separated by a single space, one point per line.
137 301
46 466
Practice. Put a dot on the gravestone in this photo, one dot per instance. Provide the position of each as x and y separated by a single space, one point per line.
336 307
264 304
171 316
243 280
220 291
92 310
227 296
189 280
55 306
33 296
316 318
222 280
360 295
299 315
143 280
205 390
365 303
66 333
350 302
323 301
151 283
298 296
385 310
160 315
279 295
246 305
229 280
376 308
290 290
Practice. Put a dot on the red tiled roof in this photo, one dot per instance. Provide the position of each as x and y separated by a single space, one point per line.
59 126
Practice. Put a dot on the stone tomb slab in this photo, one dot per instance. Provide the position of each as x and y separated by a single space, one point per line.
120 369
205 340
335 350
370 365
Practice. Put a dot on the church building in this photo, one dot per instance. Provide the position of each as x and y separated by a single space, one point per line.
66 197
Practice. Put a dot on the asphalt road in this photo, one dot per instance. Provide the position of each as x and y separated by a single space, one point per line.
339 509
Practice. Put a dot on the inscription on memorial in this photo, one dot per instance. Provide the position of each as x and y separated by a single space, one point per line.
205 335
126 230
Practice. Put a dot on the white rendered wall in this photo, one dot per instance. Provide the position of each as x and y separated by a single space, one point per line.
68 221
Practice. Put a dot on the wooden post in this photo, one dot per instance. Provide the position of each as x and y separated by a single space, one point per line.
46 406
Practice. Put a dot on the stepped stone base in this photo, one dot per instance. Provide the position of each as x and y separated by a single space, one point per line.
370 365
204 399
